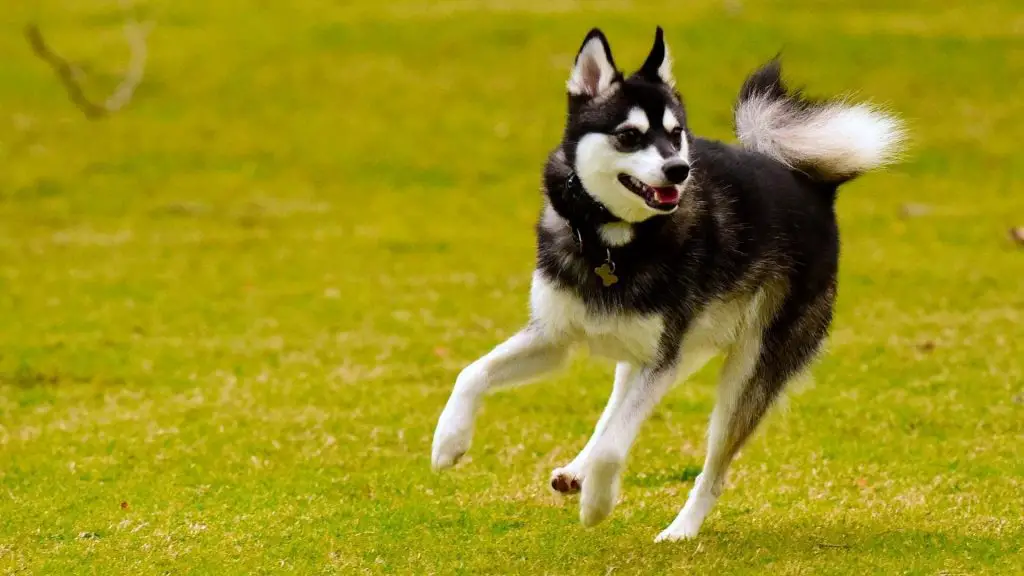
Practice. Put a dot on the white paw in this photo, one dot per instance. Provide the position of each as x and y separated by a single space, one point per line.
682 528
687 524
600 490
567 479
698 505
453 435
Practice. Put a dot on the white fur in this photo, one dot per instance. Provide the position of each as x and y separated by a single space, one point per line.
624 373
636 392
527 354
669 121
836 139
636 118
561 316
593 73
665 69
559 319
710 332
684 150
743 325
616 233
598 165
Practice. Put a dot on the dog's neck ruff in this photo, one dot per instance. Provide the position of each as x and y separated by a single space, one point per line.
585 216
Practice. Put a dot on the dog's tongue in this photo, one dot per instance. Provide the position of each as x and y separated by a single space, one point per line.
666 194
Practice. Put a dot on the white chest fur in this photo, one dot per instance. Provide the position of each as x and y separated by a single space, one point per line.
635 337
621 337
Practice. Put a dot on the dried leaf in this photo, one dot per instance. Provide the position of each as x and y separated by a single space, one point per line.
1017 235
912 210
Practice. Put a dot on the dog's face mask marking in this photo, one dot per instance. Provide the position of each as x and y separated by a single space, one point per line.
627 137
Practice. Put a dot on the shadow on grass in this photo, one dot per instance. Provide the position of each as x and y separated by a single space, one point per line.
686 476
849 544
476 537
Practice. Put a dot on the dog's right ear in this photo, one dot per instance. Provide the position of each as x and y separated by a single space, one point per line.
594 71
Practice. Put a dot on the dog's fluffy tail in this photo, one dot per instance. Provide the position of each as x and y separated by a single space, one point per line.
831 141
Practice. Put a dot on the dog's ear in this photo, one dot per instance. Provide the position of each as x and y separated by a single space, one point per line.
658 66
594 71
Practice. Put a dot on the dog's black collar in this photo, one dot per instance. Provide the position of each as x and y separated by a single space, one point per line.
585 216
580 209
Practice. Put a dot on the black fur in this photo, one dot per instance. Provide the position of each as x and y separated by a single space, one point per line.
767 81
745 221
745 252
649 70
751 251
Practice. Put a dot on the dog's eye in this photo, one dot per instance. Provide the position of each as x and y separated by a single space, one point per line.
677 137
629 137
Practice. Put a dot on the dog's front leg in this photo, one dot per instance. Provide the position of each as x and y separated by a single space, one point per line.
528 354
607 456
569 478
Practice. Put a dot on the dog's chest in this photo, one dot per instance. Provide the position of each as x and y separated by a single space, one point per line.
623 337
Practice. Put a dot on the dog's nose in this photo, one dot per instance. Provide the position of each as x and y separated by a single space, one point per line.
676 170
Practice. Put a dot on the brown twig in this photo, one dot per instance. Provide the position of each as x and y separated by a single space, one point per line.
65 73
135 34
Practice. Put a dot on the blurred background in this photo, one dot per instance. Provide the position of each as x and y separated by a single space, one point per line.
232 307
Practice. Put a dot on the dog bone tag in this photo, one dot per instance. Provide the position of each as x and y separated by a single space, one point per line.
607 275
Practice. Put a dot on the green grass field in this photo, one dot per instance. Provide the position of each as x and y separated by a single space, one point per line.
231 313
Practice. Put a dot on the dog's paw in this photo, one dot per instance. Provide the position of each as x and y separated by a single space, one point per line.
698 505
600 490
453 436
681 529
566 479
687 524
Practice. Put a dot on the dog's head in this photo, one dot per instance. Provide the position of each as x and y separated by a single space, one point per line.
626 138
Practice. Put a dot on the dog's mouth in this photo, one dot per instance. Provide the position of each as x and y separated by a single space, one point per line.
657 197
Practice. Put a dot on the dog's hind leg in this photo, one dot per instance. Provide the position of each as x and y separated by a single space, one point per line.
756 370
737 397
526 355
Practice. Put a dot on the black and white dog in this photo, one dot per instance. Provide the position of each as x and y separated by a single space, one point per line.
660 249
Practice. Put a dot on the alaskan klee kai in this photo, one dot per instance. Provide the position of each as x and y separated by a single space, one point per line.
660 249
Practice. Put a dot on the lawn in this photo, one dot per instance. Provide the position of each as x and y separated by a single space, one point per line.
231 313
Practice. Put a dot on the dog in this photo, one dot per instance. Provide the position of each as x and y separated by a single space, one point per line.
659 249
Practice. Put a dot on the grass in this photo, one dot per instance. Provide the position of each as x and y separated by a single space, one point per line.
230 314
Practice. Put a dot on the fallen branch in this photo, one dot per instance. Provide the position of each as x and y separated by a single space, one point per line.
65 73
135 34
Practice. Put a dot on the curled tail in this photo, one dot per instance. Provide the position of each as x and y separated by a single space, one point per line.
830 141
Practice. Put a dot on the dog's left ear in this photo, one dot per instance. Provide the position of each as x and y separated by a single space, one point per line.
658 66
